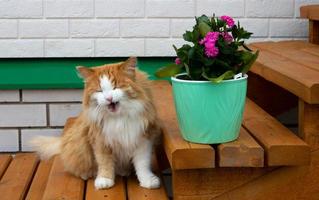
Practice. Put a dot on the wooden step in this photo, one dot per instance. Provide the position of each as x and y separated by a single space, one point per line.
281 146
181 154
305 84
243 152
18 176
4 162
40 180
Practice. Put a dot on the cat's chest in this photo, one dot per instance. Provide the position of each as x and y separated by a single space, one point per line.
126 132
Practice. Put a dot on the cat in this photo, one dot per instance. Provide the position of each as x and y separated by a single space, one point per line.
116 129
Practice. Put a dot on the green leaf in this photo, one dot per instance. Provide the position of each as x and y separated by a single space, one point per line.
202 18
248 60
227 75
188 36
203 28
169 70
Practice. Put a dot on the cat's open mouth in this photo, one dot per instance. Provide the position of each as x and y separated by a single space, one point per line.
113 107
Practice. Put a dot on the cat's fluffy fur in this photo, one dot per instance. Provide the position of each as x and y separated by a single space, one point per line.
117 128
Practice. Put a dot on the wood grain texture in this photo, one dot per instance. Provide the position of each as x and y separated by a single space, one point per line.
180 153
17 178
294 77
198 184
309 123
5 160
117 192
310 12
62 185
299 182
281 146
243 152
292 50
39 181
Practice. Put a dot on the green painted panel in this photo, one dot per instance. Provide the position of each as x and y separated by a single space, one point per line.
57 73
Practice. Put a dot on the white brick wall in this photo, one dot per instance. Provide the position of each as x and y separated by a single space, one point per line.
86 28
25 114
9 140
60 112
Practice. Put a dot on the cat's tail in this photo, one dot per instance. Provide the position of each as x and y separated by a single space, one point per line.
46 147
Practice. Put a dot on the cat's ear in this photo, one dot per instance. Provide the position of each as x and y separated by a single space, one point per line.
129 66
84 72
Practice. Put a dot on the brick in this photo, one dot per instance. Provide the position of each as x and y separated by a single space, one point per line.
20 8
43 28
119 8
299 3
9 96
72 95
21 48
288 28
259 27
19 115
179 26
59 113
28 134
170 8
234 8
69 48
119 47
9 140
145 28
8 29
162 47
94 28
269 8
68 8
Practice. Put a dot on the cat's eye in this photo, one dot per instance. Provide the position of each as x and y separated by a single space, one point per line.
99 91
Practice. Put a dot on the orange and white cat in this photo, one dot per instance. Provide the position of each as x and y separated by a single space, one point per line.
115 131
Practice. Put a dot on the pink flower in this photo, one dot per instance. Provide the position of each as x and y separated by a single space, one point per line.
212 51
178 61
227 37
229 21
209 41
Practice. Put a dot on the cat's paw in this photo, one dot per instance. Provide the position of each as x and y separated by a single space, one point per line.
102 182
151 182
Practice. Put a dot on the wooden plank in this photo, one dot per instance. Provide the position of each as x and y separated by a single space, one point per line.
136 192
17 178
310 12
299 182
292 51
61 185
117 192
289 75
180 153
5 160
40 180
309 123
243 152
281 146
198 184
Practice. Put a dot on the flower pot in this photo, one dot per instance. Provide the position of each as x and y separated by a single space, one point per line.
207 112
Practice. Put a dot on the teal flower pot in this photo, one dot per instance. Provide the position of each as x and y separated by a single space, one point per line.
209 113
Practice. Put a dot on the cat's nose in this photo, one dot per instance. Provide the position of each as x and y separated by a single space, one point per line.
109 99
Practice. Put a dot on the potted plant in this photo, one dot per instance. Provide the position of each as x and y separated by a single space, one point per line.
209 80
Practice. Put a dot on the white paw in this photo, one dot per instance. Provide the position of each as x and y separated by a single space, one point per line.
101 183
151 182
